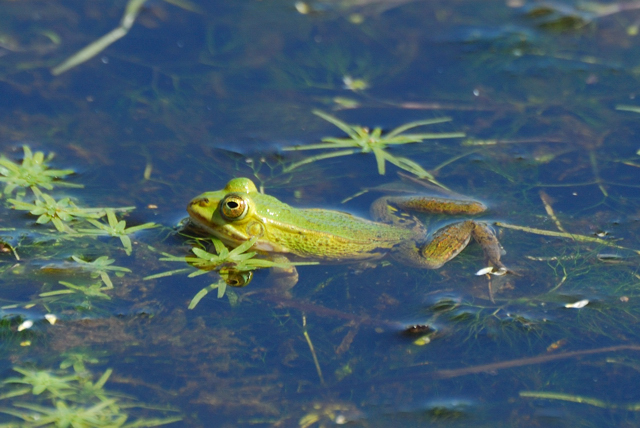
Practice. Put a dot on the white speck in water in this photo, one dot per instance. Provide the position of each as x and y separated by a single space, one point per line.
485 271
25 325
577 305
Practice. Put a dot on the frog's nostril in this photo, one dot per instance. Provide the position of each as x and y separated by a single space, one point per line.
203 202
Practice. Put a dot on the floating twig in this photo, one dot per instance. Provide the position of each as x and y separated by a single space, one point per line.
546 201
575 237
313 351
130 14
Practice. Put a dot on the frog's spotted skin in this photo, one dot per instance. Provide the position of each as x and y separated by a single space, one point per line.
239 212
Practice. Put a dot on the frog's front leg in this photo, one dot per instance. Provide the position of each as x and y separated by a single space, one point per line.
447 242
283 278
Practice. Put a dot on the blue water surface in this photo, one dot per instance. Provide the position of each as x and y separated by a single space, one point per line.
541 109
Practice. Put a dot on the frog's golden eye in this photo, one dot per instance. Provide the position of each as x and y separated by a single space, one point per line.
236 279
233 207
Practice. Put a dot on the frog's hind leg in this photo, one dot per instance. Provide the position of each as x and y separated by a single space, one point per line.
447 242
483 235
388 208
396 210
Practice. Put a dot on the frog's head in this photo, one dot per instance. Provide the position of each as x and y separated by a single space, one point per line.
229 214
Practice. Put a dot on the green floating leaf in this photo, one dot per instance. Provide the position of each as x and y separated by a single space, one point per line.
57 212
33 172
220 285
116 229
362 140
234 266
100 268
75 401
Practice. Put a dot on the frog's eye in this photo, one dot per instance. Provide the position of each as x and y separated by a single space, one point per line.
233 207
237 279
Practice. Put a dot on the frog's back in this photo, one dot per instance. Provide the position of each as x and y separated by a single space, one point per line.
333 235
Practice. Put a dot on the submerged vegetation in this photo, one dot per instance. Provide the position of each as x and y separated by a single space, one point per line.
33 172
504 318
177 100
116 228
52 399
71 221
234 266
62 399
131 12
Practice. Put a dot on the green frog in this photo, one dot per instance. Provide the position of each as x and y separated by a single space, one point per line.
239 212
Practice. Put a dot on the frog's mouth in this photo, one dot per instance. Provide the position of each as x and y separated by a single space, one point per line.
229 236
219 232
200 220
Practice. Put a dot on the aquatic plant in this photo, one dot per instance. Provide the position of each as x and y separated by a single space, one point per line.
93 290
73 222
99 268
311 68
238 258
234 266
132 10
56 212
78 360
573 236
70 400
364 140
354 66
41 381
116 228
33 172
63 414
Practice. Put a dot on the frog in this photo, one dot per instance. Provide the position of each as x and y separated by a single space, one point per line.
239 212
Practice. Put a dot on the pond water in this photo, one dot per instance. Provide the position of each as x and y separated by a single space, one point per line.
531 109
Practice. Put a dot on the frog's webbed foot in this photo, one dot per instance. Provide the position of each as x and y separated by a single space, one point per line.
447 242
483 235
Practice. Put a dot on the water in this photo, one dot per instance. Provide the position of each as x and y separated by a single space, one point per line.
196 94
